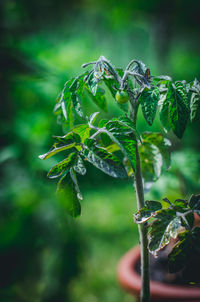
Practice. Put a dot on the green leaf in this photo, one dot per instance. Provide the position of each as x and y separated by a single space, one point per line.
163 79
124 137
67 139
179 254
83 130
76 90
112 148
153 205
164 104
105 138
104 160
69 101
149 100
77 104
178 108
195 106
69 123
99 98
110 83
67 195
125 121
62 166
79 166
179 205
102 123
75 182
161 143
93 117
66 103
56 150
92 83
166 225
148 211
194 203
151 161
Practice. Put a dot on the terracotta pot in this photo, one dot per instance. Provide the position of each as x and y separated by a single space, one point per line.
197 220
130 280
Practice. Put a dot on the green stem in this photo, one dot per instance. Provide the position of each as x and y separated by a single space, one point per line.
145 288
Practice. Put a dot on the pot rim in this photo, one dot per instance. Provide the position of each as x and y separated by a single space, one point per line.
131 281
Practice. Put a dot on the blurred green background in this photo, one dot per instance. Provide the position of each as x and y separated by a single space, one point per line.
45 256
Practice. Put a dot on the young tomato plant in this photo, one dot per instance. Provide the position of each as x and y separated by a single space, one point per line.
143 155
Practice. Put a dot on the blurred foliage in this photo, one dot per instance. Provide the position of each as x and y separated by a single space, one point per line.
43 43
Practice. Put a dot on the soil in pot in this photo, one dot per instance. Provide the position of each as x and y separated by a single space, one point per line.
159 270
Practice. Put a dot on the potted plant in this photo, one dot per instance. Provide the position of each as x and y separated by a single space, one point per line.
118 148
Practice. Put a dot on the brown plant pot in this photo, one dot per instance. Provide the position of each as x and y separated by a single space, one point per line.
130 280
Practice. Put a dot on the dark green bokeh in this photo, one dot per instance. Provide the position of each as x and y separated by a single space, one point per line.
43 43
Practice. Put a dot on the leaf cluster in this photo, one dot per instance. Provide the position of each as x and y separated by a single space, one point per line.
110 145
173 220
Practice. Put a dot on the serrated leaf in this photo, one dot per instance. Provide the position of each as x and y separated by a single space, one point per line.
125 121
178 108
62 166
92 83
148 211
194 203
77 104
124 137
149 100
104 160
164 104
195 106
79 166
76 90
166 225
67 196
69 101
66 102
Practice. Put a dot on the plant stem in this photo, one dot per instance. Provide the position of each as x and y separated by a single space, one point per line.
145 288
145 291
